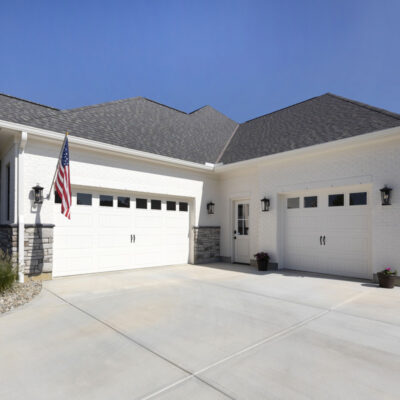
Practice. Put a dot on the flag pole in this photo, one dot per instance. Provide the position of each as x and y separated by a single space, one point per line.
58 163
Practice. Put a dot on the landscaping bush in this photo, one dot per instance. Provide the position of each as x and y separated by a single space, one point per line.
8 274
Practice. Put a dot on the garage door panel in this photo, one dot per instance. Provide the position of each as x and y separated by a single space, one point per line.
346 229
100 238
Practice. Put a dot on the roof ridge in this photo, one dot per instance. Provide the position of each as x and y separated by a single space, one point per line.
228 142
28 101
198 109
76 109
284 108
367 106
164 105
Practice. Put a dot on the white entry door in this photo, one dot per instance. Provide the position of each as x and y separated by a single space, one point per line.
109 232
328 231
241 233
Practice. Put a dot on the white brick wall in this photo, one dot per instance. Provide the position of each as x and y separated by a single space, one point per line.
376 164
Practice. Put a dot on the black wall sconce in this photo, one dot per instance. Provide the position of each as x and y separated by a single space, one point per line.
38 194
264 204
210 207
385 195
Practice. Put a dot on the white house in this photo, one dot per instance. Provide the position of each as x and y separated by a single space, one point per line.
143 175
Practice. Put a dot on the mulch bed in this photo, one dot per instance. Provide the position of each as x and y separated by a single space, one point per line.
19 294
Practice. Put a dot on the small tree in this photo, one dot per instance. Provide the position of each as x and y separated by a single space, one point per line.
8 274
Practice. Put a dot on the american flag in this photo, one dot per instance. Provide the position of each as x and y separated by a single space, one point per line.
63 181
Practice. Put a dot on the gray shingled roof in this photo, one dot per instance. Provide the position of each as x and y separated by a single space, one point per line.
319 120
145 125
205 135
18 110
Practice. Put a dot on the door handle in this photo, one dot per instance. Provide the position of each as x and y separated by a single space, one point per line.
320 240
133 238
324 240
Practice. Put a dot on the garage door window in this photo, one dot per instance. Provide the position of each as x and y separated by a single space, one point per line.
183 206
358 199
310 202
141 203
293 202
156 204
336 200
84 199
106 201
124 202
171 205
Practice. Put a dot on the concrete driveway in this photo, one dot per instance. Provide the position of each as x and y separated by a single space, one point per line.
203 332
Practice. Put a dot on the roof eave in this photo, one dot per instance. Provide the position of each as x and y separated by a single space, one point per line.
100 146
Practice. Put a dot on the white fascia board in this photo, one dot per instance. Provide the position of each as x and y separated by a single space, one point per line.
377 136
95 145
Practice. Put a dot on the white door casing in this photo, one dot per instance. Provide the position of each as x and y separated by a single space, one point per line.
98 238
331 240
241 231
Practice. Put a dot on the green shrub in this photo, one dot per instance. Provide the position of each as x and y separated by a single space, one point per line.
8 274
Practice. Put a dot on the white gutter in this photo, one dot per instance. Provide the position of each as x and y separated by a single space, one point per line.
143 155
384 134
21 220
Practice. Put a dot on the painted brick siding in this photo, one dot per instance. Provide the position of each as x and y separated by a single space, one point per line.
206 244
374 164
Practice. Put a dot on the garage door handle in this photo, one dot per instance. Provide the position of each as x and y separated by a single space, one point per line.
324 240
133 238
320 240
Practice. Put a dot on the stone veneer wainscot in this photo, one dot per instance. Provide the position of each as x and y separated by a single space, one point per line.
206 244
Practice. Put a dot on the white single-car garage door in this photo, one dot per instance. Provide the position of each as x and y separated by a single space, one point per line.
109 232
328 231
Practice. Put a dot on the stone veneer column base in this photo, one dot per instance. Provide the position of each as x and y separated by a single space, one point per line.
38 248
206 244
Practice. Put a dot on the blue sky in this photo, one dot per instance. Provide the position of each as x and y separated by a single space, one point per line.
245 58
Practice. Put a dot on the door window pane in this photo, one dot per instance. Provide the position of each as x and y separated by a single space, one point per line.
141 203
124 202
358 199
106 201
171 205
84 199
310 202
156 204
336 200
241 227
246 226
293 202
240 210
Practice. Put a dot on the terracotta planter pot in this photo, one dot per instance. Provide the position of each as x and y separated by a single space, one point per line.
386 281
262 265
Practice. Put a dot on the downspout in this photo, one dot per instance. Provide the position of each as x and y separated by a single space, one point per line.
21 223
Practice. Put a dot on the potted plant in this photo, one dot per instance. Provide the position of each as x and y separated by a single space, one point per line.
387 278
262 261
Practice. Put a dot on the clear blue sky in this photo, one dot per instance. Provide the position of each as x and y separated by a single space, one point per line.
245 58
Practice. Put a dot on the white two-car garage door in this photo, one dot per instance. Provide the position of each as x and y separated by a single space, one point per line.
109 232
328 231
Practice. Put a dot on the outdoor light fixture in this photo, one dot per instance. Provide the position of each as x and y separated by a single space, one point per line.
210 207
38 194
385 194
264 204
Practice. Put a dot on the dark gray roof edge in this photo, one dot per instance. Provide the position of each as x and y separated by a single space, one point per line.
367 106
28 101
355 102
227 144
